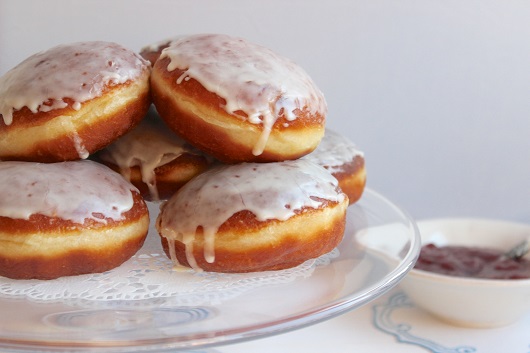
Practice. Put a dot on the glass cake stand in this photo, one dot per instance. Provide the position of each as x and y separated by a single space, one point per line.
380 246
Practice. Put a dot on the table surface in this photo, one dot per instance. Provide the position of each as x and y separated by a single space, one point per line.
390 323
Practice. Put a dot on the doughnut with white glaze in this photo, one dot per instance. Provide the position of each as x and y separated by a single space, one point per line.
344 160
254 217
71 100
152 52
237 101
154 159
67 218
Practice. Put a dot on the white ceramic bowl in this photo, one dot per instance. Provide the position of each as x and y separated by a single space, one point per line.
469 301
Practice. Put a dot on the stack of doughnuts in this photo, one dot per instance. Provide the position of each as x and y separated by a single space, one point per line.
228 136
61 215
261 115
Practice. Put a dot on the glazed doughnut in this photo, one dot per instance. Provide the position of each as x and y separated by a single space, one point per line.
71 100
67 218
343 159
253 217
237 101
152 52
154 159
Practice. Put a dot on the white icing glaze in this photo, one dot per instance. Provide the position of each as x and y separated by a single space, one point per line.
268 190
148 146
251 78
334 151
73 191
79 145
79 71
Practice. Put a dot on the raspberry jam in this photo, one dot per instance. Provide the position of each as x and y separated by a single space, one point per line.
476 262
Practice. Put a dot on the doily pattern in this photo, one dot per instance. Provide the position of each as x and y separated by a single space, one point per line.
150 276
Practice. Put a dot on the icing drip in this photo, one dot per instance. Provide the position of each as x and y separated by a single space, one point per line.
333 151
268 190
78 71
79 145
148 146
252 79
73 191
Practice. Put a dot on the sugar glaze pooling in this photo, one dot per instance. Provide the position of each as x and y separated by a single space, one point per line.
251 79
268 190
74 191
78 71
333 152
148 146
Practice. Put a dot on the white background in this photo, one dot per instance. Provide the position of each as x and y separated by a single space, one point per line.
436 93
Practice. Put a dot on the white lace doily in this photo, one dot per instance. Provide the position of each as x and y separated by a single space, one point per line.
150 275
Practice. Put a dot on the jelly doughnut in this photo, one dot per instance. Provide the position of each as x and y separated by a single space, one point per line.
71 100
253 217
237 101
154 159
152 52
343 159
67 218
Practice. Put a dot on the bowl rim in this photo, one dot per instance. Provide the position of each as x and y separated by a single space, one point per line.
469 281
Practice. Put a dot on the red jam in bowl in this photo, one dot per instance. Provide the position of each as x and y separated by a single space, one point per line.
462 261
